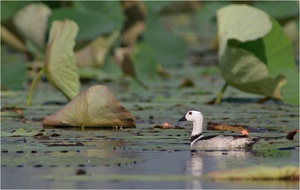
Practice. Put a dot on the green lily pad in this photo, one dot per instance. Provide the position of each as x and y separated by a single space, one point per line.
60 63
22 133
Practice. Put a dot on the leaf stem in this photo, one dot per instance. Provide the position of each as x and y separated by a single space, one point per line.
82 127
219 97
35 80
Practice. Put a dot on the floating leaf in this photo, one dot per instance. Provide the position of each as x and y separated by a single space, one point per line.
257 173
60 64
32 22
22 133
94 107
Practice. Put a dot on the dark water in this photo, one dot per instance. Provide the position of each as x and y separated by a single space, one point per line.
156 163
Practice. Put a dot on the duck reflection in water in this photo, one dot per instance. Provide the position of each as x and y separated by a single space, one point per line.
204 161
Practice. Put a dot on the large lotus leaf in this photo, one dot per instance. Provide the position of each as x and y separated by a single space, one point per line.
278 9
60 64
272 49
93 107
257 173
13 70
91 23
111 9
32 23
204 19
145 63
168 48
241 22
281 61
243 70
10 8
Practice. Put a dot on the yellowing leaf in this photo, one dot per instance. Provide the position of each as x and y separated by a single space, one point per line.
93 107
257 173
60 66
241 22
94 53
32 22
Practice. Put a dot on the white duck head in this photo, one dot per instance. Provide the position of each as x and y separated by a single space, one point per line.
197 118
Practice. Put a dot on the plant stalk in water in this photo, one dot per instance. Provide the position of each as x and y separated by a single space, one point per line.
35 80
220 95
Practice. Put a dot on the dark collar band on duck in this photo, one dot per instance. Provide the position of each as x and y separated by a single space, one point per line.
196 138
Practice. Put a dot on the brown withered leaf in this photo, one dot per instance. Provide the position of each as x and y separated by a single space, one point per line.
225 127
135 23
93 107
291 134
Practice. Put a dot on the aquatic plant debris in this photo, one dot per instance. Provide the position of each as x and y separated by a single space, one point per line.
93 107
257 173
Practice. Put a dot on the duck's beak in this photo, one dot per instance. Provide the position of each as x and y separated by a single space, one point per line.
182 119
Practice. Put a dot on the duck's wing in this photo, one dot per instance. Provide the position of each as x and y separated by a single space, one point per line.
224 142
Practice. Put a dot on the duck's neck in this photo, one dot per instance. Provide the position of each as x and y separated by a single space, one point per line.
197 127
197 131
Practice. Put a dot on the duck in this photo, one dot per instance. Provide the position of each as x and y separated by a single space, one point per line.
215 142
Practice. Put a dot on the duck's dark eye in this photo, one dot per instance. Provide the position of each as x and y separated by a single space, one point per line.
190 113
